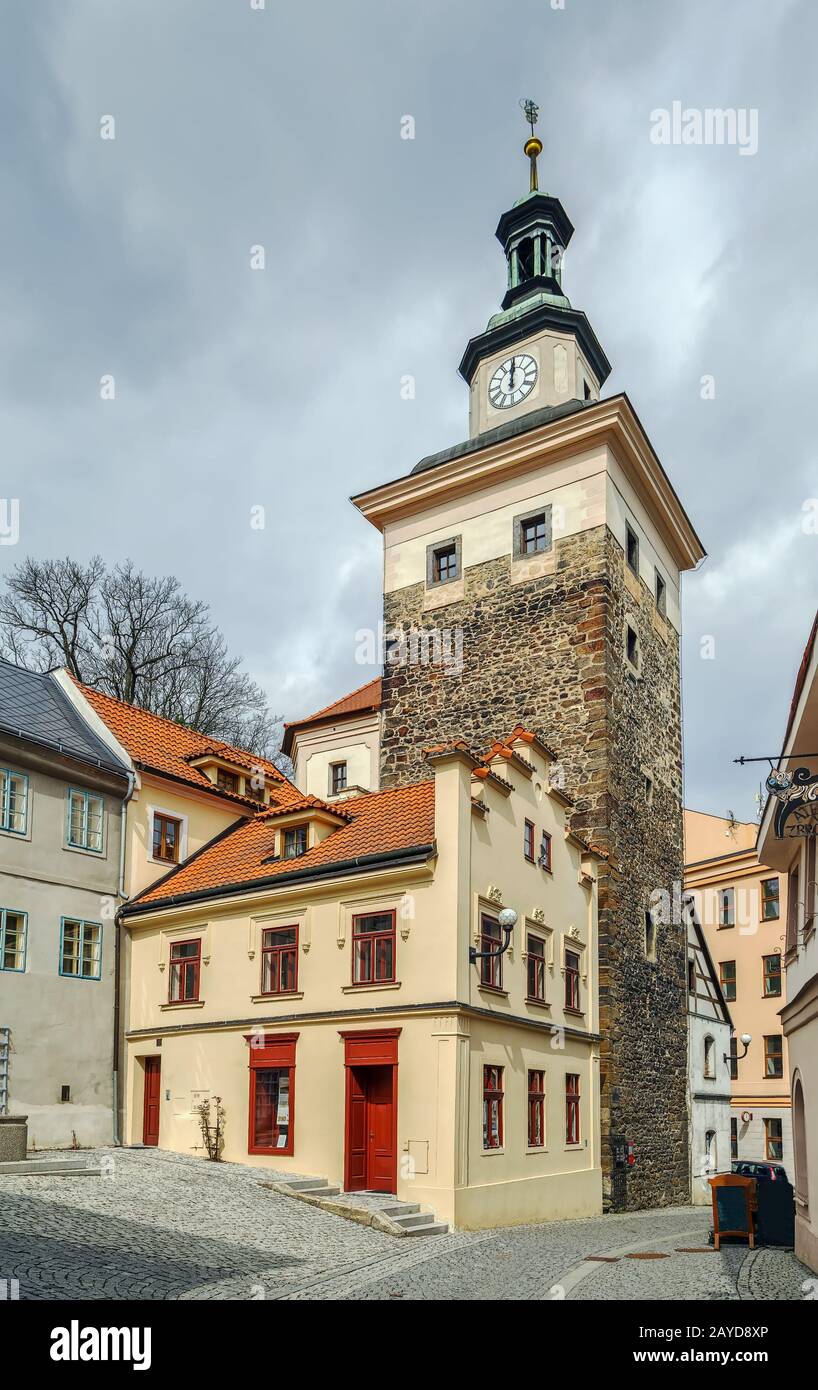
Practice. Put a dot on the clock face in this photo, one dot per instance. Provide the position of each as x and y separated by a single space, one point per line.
512 381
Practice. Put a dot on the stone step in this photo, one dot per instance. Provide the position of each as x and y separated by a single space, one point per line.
50 1167
429 1228
305 1184
412 1218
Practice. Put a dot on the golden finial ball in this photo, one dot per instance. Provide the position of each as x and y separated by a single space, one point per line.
532 146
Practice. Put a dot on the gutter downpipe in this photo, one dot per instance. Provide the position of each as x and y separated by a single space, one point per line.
123 896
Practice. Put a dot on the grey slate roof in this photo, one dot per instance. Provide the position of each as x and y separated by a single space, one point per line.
34 708
521 425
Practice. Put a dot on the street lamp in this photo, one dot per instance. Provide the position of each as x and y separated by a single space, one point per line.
745 1039
507 920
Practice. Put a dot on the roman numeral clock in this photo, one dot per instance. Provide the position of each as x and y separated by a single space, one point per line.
512 381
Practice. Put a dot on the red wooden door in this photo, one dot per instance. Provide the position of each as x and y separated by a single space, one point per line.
380 1142
150 1124
356 1130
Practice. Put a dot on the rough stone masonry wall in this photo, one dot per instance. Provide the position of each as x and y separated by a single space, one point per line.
550 653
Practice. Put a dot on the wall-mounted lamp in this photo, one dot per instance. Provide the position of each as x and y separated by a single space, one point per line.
745 1040
507 920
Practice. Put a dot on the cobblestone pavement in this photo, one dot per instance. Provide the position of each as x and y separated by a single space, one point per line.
165 1226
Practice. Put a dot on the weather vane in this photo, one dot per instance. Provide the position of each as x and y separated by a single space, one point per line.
532 146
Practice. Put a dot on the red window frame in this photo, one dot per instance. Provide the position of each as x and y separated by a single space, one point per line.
535 968
271 1054
383 945
528 840
161 823
572 973
279 960
536 1109
572 1116
493 1107
192 962
545 852
491 967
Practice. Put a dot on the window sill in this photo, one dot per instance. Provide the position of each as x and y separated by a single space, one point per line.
494 1153
540 1149
274 1153
83 849
494 989
183 1004
370 988
165 863
272 998
575 1013
538 1003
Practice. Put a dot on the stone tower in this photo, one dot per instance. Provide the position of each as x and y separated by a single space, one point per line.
536 570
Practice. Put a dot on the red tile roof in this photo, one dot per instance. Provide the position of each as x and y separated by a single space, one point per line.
402 818
159 745
366 697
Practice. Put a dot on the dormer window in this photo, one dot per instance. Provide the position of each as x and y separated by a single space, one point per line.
295 842
227 781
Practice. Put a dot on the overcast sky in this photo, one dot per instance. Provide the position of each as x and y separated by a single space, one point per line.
238 127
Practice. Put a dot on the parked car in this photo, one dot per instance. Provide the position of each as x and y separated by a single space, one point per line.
773 1172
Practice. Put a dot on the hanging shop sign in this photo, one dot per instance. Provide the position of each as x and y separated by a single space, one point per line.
797 796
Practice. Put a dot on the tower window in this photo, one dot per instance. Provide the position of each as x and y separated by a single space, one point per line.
632 647
587 390
525 259
650 936
661 594
632 548
338 778
532 533
443 562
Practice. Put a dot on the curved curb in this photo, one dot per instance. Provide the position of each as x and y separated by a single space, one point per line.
571 1281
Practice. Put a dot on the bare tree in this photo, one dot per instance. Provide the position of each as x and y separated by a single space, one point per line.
138 638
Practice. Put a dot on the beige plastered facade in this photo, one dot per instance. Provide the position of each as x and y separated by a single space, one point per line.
449 1026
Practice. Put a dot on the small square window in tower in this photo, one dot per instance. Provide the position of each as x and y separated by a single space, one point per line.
661 594
443 562
532 533
631 548
632 648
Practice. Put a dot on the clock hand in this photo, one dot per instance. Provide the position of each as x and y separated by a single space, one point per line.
511 376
